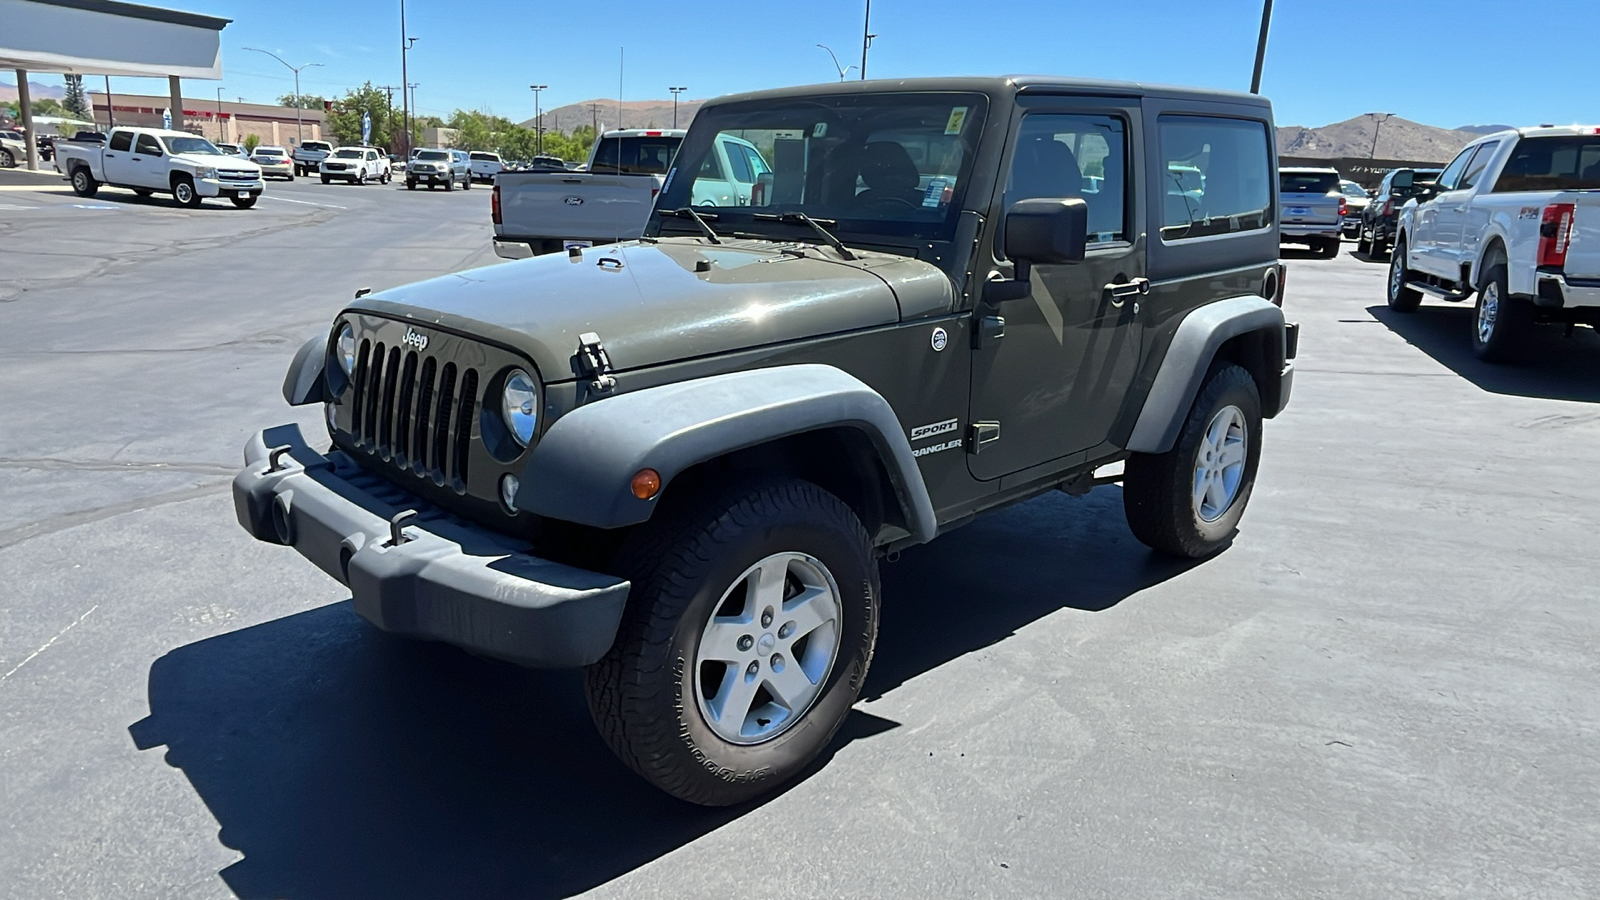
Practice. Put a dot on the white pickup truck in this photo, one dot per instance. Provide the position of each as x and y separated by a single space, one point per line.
538 212
150 160
1515 219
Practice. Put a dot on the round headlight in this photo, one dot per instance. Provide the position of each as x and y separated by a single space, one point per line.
345 349
520 406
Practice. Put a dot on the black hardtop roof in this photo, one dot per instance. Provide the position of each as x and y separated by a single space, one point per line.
1001 86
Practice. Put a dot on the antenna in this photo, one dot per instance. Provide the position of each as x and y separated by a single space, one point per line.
622 55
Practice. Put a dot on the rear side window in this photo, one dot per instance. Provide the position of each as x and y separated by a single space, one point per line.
122 140
1480 161
1307 182
1234 162
1552 164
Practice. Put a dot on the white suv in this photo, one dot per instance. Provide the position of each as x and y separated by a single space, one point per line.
357 165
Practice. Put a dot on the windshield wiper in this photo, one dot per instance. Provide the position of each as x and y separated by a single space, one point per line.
688 212
817 225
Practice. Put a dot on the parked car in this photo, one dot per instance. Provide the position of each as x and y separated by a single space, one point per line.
1311 209
309 155
13 149
356 165
677 461
1355 201
434 166
1514 219
546 209
485 166
275 162
233 150
729 173
150 160
1378 219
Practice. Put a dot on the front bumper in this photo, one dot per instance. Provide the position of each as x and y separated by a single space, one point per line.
216 187
1557 291
448 580
434 177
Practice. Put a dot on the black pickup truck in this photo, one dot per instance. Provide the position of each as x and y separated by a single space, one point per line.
1379 217
676 461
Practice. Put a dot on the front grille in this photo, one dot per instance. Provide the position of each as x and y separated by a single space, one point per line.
235 175
333 167
414 412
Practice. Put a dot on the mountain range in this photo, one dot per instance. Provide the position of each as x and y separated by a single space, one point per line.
633 114
1397 138
8 90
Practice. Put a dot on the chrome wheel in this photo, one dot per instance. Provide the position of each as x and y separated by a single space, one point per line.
80 181
183 192
1397 275
1219 464
768 648
1488 311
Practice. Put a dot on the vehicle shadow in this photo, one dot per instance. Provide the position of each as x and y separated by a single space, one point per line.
345 763
1556 367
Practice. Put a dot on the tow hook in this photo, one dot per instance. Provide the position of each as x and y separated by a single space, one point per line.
397 524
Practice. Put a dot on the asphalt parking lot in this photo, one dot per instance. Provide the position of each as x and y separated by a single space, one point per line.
1384 688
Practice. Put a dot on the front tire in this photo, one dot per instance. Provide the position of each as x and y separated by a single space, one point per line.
1188 501
410 185
83 183
183 191
7 161
747 637
1501 323
1401 297
244 202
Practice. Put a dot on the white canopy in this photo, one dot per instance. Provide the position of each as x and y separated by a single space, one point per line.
108 37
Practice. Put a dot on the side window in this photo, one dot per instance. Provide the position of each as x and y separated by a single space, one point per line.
740 164
711 170
1452 173
1480 161
121 141
147 145
1215 176
1074 156
757 164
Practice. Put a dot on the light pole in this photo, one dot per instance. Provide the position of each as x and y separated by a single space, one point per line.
1376 127
1261 46
221 136
675 92
538 118
866 40
299 117
843 70
405 83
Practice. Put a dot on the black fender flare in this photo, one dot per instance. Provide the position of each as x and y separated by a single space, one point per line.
306 381
1183 370
582 468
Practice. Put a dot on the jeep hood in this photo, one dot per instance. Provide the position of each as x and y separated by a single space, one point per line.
652 303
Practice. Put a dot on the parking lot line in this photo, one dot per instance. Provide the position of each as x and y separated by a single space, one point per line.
306 202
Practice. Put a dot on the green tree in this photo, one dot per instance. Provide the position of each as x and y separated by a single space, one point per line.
75 101
345 119
251 142
307 101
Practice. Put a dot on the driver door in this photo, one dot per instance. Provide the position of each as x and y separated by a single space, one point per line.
148 163
1053 369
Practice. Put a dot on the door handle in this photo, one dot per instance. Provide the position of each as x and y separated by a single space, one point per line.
1118 293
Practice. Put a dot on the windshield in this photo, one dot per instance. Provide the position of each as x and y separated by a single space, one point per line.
346 153
191 145
1307 182
648 155
883 164
433 154
1351 189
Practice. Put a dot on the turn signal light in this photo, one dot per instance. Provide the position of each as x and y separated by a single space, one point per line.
494 205
646 484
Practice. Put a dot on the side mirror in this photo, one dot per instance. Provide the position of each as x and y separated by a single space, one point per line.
1046 231
1403 179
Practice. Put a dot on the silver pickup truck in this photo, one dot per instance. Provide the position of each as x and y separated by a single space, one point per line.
539 212
1311 209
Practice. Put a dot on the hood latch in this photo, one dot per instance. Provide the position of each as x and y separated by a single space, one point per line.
595 362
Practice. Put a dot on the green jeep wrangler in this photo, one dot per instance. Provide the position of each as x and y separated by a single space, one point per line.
676 461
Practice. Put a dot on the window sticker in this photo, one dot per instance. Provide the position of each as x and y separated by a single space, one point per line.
934 195
667 185
958 118
820 130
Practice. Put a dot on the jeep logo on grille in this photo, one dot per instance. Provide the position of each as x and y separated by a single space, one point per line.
415 340
573 201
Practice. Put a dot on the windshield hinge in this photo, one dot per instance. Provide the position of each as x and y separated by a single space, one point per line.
595 362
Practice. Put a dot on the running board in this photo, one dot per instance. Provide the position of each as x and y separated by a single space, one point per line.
1436 291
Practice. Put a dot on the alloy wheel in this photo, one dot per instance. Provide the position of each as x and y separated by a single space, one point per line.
1219 464
1488 311
768 648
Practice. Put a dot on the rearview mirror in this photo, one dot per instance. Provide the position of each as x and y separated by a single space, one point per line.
1046 231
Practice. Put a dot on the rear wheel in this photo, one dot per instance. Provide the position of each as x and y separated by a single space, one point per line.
748 633
1402 298
1188 501
83 184
1380 245
1502 323
1363 243
466 183
1330 248
449 184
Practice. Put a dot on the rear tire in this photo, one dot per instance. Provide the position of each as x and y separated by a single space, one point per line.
1330 248
1364 244
748 633
83 183
466 183
1188 501
1401 298
1501 323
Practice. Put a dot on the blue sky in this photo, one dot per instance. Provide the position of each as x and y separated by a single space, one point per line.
1320 58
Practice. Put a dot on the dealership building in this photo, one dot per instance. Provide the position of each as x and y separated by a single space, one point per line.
218 120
